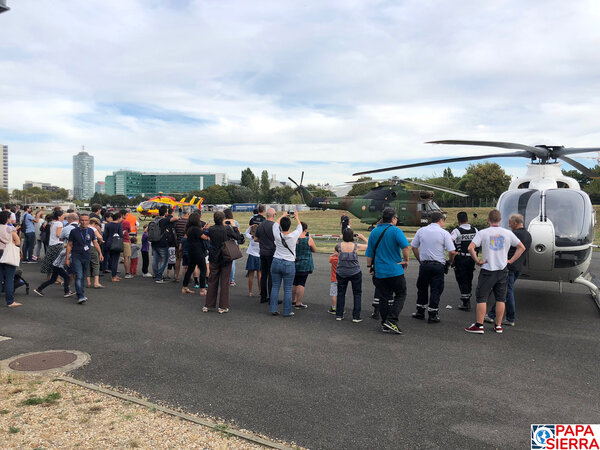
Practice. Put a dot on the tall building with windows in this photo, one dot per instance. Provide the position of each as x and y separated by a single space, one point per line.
83 176
4 172
130 183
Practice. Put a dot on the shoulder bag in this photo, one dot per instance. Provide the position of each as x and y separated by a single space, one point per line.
11 254
375 249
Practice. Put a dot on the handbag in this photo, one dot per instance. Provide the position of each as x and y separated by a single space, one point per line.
116 244
11 254
230 251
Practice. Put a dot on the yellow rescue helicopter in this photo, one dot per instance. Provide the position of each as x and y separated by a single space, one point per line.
149 208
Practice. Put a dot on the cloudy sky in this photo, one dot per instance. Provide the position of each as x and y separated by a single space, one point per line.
328 87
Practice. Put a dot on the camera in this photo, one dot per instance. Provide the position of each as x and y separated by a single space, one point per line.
291 213
355 234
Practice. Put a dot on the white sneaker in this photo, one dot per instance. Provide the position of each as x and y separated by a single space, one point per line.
147 275
488 319
128 276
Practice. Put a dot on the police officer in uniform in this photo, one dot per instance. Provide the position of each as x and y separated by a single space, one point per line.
464 266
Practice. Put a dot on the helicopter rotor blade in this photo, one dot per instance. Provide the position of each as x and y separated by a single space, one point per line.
522 153
439 188
539 152
583 169
302 178
289 178
574 151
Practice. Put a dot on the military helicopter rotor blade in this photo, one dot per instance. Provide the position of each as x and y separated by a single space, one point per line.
522 153
583 169
302 178
352 183
574 151
292 180
439 188
537 151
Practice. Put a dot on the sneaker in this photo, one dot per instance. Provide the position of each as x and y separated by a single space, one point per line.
420 314
356 320
504 322
147 275
232 283
301 306
197 286
82 300
392 327
339 317
474 328
204 309
385 330
331 310
70 294
498 329
223 310
38 292
128 276
289 315
489 319
276 313
160 281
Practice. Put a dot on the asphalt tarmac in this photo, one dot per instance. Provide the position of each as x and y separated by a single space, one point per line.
327 384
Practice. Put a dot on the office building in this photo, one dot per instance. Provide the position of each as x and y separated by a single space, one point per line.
4 173
43 186
99 188
83 176
130 183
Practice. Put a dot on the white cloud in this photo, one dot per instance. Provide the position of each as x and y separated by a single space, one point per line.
272 84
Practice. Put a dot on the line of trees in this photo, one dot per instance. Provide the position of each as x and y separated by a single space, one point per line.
34 195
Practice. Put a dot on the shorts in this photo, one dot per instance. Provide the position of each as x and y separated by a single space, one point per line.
333 289
253 263
185 259
492 281
300 278
126 250
170 266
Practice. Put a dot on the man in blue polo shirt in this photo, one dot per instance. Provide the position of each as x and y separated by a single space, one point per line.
81 239
387 257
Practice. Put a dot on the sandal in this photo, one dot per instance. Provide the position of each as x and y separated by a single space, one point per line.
202 292
187 291
99 286
250 294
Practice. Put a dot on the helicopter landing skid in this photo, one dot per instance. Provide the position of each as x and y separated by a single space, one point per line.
592 282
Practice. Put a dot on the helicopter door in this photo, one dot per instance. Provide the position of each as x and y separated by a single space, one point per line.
540 256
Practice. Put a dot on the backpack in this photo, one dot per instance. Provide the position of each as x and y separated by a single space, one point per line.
154 233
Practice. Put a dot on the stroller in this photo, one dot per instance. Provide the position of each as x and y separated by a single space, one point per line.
19 281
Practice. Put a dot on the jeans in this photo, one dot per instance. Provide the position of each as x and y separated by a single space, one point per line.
7 276
29 246
431 279
56 272
38 248
114 257
510 297
80 267
160 255
392 296
282 270
266 282
356 281
232 276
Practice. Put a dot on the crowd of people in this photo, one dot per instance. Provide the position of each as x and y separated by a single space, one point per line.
79 248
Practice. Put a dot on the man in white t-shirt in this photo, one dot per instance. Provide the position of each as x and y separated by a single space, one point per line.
495 243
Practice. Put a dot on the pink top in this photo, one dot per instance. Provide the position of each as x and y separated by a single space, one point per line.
5 235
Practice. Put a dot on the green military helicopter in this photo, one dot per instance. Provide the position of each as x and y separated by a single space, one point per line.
413 207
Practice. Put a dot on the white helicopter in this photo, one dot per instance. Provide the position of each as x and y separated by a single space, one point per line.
557 213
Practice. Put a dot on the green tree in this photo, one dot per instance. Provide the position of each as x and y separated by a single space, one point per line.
216 195
265 187
249 180
119 200
363 188
318 191
4 196
484 180
282 194
101 199
240 194
582 179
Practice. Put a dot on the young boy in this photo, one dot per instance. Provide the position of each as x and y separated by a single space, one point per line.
58 270
171 264
333 260
135 255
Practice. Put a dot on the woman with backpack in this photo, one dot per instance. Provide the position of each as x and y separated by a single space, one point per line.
220 268
113 236
196 253
305 247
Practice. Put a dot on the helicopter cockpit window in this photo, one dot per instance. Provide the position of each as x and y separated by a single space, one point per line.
523 201
571 214
147 205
